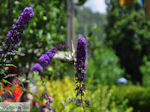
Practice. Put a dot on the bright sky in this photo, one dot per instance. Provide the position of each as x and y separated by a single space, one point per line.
96 5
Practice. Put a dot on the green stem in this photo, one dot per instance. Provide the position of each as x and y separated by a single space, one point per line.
43 83
82 105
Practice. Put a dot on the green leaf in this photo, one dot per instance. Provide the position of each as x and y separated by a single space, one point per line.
92 108
35 73
13 87
21 79
11 65
35 97
5 81
73 108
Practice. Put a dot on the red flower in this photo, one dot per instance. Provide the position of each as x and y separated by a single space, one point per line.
17 92
1 88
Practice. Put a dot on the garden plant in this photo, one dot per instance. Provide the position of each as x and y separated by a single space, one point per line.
12 88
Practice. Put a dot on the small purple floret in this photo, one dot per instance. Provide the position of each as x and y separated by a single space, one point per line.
44 59
37 67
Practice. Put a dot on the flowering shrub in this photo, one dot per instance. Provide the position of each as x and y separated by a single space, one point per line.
14 35
7 52
80 64
62 91
46 58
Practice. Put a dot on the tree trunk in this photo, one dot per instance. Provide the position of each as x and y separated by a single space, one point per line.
70 24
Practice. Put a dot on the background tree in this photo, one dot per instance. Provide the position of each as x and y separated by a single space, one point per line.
128 33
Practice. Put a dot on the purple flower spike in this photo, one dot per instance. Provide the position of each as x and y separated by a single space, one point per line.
14 35
44 59
81 59
80 64
37 67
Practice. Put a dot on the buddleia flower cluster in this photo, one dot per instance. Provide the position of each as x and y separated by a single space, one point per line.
45 60
78 101
80 64
14 35
47 57
44 105
49 100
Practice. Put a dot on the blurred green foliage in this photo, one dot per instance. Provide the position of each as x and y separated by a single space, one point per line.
137 96
145 69
104 67
63 90
94 23
128 33
58 69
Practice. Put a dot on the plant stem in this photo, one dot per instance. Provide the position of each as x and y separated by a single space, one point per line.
82 105
43 83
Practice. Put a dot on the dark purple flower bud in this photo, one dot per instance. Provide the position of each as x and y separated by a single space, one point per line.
87 102
61 46
44 59
78 101
45 95
37 67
